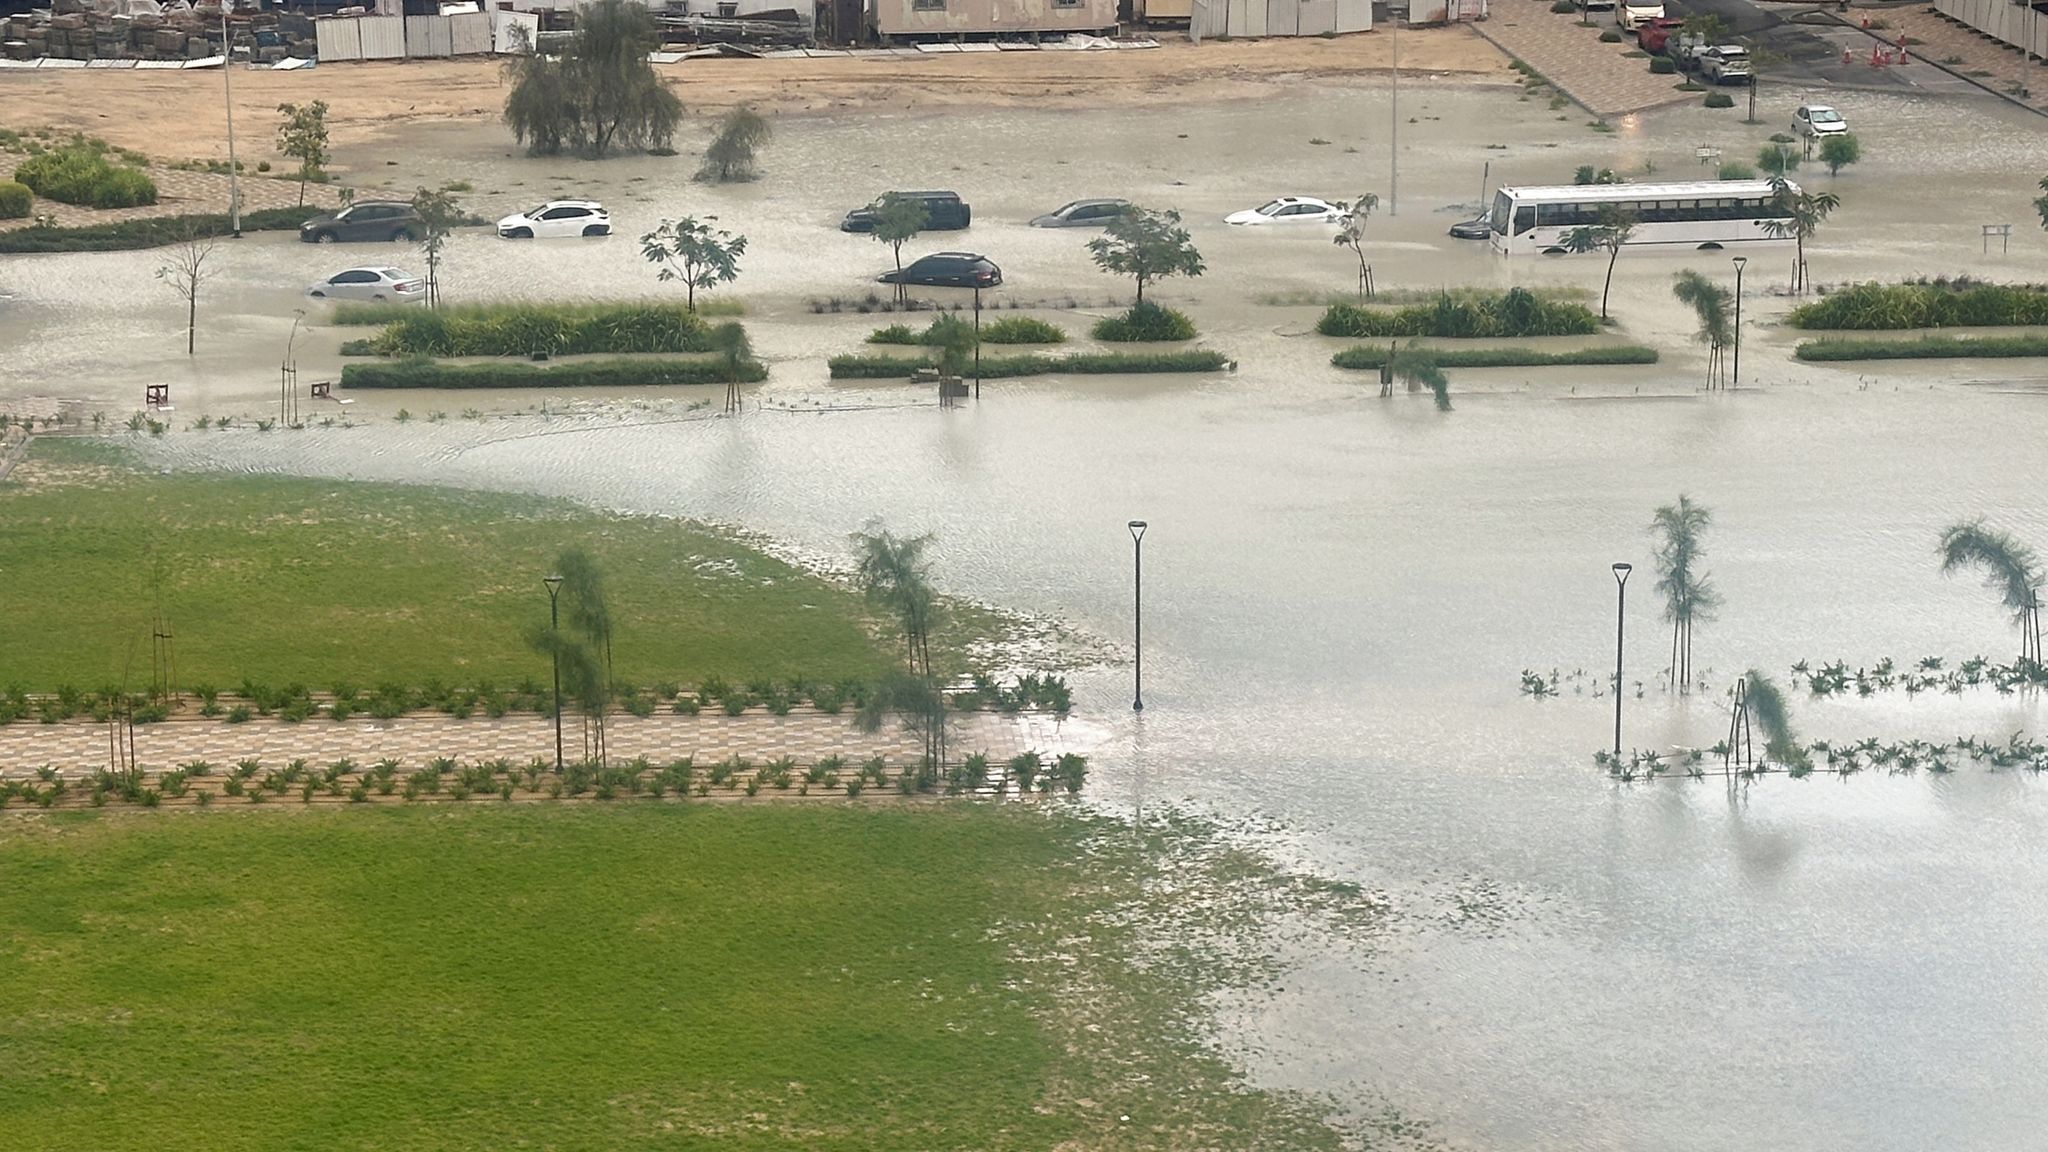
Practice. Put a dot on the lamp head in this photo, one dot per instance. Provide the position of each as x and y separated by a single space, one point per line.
1621 571
553 582
1740 261
1137 529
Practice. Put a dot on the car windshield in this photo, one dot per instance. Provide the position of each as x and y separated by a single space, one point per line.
1826 116
1069 206
1272 209
534 212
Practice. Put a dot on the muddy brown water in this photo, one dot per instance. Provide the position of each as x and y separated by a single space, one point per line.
1341 591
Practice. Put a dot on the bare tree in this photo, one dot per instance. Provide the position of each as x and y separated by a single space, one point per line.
188 268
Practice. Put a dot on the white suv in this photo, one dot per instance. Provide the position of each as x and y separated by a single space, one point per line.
557 218
1725 62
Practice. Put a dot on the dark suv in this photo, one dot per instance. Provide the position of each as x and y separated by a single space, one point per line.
943 212
365 220
948 270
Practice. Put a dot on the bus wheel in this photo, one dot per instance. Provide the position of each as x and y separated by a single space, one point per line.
1554 251
1710 246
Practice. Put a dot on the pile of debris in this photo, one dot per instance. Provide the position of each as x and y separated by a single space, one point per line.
148 30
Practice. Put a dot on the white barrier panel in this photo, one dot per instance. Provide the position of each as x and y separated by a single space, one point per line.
428 37
338 39
383 37
1354 16
1283 17
514 32
469 34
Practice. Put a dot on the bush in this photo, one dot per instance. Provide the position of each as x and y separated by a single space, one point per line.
1564 6
154 232
1145 322
1002 367
1022 330
1368 356
1737 170
1931 304
82 175
590 374
1516 312
895 334
1610 36
1720 100
1923 348
1662 65
15 200
523 329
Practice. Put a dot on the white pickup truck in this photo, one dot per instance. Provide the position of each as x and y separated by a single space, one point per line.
1634 12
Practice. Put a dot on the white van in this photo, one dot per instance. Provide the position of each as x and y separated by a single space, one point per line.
1634 12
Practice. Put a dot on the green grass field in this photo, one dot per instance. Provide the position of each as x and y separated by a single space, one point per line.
280 579
947 976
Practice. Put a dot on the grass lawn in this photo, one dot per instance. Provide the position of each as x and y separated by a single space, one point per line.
286 580
947 976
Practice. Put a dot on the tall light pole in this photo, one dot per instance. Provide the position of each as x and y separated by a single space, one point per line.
554 584
1740 261
1394 123
977 341
1621 571
227 87
1138 613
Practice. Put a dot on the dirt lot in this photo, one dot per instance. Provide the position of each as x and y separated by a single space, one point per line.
181 113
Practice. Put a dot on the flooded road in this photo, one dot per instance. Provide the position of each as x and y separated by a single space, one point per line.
1341 592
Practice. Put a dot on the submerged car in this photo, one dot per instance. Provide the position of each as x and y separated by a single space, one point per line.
1818 120
382 220
943 212
375 284
1477 228
1289 210
948 270
1082 214
557 218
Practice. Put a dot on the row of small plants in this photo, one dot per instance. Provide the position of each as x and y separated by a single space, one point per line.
1896 758
152 232
1938 303
1370 356
1924 348
81 174
446 778
1001 367
295 703
525 329
1008 330
622 373
1930 674
1516 312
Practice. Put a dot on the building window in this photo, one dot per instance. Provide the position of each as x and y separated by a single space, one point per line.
927 5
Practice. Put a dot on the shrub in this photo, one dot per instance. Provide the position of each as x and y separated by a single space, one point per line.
523 329
1002 367
586 374
15 200
1931 304
895 334
1370 356
1737 170
1145 322
1924 348
1516 312
1024 768
82 175
1662 65
1720 100
1610 36
1022 330
1564 5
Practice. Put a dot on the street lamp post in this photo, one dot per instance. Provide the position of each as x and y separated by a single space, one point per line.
1740 261
1138 614
1394 120
227 88
554 584
1621 572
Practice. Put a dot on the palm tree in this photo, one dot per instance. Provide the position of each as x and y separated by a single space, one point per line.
1689 595
585 648
894 573
1804 213
1608 235
730 341
2010 569
1710 301
1768 708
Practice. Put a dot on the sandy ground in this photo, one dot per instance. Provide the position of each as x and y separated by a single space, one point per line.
177 114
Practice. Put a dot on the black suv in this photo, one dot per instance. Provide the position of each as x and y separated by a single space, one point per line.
948 270
943 212
365 220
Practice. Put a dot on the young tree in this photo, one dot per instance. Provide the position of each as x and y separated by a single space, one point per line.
1689 595
1839 151
1418 368
730 158
898 220
600 93
955 339
1776 159
730 341
439 213
1768 708
1352 236
2010 569
1709 301
1146 245
188 267
1804 213
303 137
1613 231
894 573
691 251
2041 203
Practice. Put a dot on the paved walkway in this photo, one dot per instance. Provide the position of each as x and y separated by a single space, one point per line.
1602 78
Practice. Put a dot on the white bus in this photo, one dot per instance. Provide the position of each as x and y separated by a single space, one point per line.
1705 214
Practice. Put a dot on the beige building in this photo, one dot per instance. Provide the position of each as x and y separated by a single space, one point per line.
960 18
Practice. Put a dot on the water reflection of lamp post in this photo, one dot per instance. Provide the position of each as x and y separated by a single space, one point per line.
554 584
1138 614
1740 261
977 341
1621 571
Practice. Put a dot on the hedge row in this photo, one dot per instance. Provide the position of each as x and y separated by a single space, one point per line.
1369 356
1924 348
1516 312
1000 367
1008 330
153 232
523 329
590 374
1933 304
78 174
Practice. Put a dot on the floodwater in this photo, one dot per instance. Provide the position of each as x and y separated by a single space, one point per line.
1341 591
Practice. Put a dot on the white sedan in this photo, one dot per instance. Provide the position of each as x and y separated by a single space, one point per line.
1289 210
376 285
1818 120
557 218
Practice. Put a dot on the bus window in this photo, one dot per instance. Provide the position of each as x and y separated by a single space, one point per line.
1500 213
1525 219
